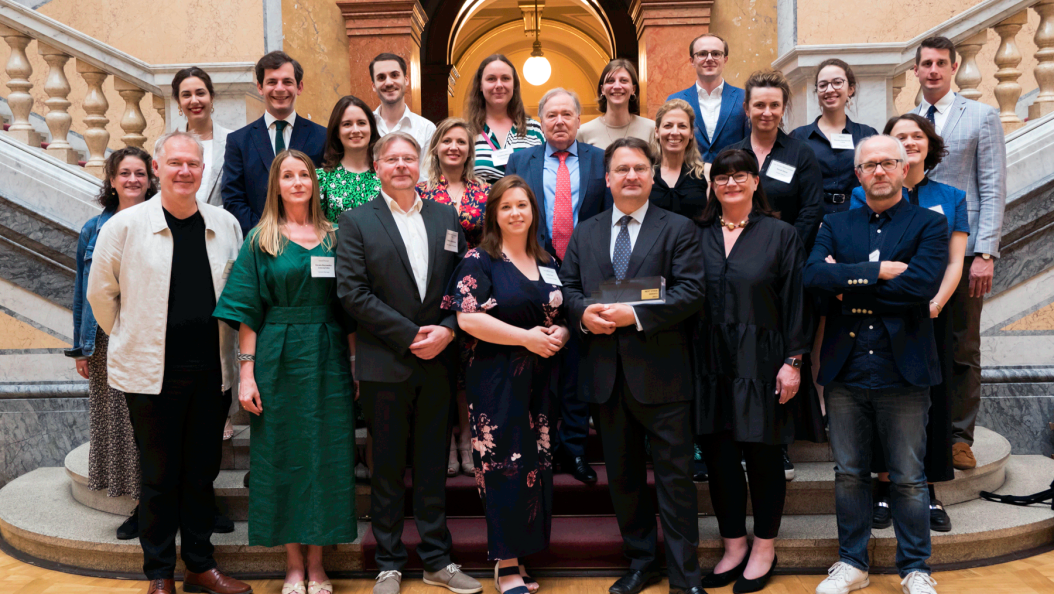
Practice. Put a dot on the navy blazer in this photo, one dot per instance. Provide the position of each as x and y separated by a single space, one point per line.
593 193
247 164
919 237
732 123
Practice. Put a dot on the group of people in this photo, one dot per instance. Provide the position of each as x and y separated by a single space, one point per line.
446 275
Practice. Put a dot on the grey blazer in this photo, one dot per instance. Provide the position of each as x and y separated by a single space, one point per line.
976 164
219 147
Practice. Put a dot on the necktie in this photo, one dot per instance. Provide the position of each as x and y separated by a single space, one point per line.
620 259
279 135
930 115
563 217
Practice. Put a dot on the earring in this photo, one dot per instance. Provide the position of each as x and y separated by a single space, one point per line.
213 109
180 112
632 96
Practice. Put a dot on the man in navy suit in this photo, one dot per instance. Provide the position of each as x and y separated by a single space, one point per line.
879 266
567 178
250 150
719 117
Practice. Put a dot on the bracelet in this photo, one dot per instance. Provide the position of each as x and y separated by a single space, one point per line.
939 308
353 358
246 357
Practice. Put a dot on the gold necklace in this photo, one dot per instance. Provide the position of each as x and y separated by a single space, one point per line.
607 128
734 226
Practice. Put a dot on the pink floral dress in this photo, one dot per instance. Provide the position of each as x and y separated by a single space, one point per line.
509 402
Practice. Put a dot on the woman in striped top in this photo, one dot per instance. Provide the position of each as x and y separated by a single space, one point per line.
495 110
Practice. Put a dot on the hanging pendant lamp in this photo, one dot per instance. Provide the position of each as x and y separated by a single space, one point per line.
537 68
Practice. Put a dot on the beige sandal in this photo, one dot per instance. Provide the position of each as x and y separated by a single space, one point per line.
297 588
315 587
228 430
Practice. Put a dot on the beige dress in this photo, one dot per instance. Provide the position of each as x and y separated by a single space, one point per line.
600 135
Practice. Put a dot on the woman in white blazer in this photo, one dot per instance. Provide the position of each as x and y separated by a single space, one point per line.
192 90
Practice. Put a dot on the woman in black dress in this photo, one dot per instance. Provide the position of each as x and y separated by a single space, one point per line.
508 299
680 179
754 331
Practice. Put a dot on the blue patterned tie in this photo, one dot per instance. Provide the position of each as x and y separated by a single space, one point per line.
620 260
930 115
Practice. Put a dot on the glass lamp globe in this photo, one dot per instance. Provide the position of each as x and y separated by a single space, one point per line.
537 70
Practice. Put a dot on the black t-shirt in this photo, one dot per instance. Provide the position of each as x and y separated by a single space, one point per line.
192 337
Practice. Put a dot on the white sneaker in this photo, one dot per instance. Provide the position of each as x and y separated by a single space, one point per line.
843 578
918 583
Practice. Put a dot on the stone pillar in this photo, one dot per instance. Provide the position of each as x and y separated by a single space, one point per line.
664 30
442 76
377 26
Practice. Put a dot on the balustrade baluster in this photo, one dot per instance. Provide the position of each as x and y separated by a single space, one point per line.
132 122
968 78
19 100
95 106
58 117
1044 71
159 105
898 85
1007 57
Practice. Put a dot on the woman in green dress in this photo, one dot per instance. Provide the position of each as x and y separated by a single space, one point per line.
346 178
281 294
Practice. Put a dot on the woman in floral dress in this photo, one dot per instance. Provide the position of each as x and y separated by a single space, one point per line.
346 178
508 298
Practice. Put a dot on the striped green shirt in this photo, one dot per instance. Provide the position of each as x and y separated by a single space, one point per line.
487 143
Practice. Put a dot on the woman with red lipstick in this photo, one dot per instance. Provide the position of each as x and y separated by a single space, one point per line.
192 90
495 110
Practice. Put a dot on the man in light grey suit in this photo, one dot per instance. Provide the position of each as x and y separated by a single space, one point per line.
976 164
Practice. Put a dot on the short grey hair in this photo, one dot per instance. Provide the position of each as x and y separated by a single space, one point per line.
159 146
378 148
869 139
553 93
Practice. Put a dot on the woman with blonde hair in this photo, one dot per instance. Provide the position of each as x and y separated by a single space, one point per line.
282 296
680 179
494 109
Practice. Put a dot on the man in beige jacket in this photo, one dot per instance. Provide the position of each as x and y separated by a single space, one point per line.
157 273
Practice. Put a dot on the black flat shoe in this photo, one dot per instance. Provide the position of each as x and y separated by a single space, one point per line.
222 524
881 517
720 580
692 590
129 529
634 581
744 586
939 520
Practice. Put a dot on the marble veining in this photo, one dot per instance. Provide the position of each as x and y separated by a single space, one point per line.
39 432
51 239
1019 264
37 275
1022 420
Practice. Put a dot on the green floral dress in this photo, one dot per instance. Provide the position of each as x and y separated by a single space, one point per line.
342 190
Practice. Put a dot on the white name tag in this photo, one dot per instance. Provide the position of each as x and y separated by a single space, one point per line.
549 275
227 269
781 171
842 141
323 267
501 156
451 241
937 208
873 256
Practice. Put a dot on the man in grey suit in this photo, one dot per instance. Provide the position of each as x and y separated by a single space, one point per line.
395 255
976 164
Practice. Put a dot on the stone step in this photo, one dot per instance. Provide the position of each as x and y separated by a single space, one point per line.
40 518
810 493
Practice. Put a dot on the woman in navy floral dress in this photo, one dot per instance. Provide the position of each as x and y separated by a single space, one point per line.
509 299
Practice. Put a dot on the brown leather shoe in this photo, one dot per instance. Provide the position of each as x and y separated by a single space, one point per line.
161 587
213 582
962 456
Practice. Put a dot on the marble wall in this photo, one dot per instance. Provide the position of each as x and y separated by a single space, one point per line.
39 432
1022 413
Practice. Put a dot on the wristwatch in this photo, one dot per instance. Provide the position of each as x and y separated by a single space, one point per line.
986 256
795 363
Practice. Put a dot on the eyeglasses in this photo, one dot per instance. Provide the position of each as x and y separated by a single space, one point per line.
835 84
740 178
715 54
394 160
886 165
640 170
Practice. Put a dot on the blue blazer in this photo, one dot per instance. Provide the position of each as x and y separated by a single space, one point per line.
593 193
247 164
732 124
919 238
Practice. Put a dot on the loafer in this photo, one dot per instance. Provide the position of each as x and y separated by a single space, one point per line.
962 456
634 581
720 580
881 516
745 586
129 529
692 590
161 587
939 520
577 467
213 582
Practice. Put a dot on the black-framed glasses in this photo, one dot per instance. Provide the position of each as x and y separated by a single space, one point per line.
886 165
740 178
715 54
835 84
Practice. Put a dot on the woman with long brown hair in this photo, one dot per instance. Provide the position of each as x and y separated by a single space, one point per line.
508 299
346 178
495 110
282 296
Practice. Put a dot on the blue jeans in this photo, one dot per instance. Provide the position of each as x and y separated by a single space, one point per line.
897 418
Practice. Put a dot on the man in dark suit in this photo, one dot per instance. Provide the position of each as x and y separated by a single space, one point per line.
395 255
879 266
250 150
635 369
719 117
567 178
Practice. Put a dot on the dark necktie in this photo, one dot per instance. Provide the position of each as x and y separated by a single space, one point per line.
279 135
620 259
930 115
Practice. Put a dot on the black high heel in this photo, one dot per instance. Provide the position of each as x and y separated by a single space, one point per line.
720 580
744 586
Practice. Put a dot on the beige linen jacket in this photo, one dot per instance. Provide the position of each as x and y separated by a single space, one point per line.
129 284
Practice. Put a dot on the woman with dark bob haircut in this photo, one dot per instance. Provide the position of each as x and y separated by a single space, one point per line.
113 461
752 336
925 149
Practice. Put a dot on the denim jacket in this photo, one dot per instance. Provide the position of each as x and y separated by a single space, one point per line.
84 325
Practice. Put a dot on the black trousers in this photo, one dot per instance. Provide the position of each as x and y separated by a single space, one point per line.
728 486
964 386
394 412
623 422
574 413
179 434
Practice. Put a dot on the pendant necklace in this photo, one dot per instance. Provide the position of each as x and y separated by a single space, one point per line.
607 129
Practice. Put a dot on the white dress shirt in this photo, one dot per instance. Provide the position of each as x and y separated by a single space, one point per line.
944 107
414 125
412 229
287 134
710 106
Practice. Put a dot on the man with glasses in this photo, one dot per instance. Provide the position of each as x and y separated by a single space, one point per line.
879 266
719 117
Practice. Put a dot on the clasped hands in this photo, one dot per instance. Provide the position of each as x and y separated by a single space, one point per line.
600 318
430 341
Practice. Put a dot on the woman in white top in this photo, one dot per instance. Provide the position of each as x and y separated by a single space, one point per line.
192 90
618 101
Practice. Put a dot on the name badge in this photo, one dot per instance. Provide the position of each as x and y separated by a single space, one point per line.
842 141
501 156
451 241
227 269
549 275
873 256
780 171
323 267
937 208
